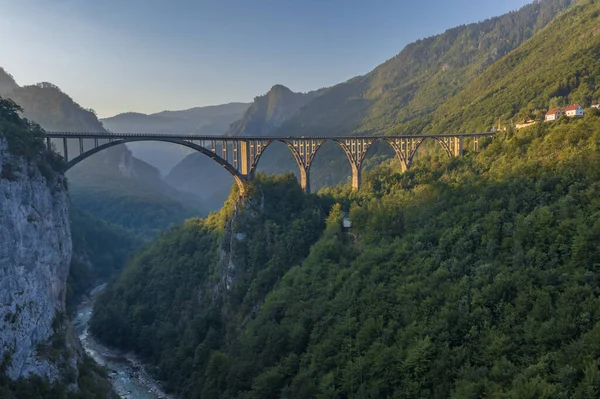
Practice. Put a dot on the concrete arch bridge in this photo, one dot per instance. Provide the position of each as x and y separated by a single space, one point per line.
240 155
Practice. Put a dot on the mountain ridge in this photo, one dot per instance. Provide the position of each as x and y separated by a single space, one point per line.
210 120
108 184
400 94
269 111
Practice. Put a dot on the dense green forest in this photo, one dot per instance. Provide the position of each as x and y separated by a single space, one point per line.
195 285
90 386
465 277
100 250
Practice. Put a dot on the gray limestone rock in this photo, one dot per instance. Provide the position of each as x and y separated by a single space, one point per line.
35 253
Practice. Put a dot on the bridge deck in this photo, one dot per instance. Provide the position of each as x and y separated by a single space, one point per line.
240 155
104 135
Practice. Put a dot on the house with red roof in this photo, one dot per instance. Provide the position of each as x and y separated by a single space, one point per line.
554 114
574 110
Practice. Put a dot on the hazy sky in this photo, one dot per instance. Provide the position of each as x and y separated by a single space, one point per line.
150 55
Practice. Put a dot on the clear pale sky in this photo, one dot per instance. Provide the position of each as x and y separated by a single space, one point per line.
151 55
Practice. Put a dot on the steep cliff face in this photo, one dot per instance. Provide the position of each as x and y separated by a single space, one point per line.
35 252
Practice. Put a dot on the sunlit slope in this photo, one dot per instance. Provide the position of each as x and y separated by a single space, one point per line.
560 65
401 94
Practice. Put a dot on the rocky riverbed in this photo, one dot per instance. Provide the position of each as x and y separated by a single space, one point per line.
127 375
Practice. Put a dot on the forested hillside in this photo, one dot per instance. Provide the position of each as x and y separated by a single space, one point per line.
557 67
401 94
128 192
198 284
430 85
100 250
466 277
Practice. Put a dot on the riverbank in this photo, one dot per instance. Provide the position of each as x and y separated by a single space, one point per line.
126 373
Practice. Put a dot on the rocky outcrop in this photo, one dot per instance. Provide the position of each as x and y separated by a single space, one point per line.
232 251
35 252
270 111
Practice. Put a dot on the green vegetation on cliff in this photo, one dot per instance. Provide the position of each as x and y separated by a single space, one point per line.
92 382
112 185
25 138
195 286
464 278
86 379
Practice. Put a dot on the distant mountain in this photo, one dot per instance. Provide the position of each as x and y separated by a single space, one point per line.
7 82
268 112
54 110
558 66
129 192
199 175
112 184
211 120
203 177
400 95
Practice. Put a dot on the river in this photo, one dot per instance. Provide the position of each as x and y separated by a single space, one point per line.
127 375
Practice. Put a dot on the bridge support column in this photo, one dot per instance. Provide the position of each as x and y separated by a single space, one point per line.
305 179
356 174
244 158
458 146
65 149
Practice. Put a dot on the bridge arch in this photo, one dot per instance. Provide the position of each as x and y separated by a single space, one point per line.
327 145
406 148
303 152
445 146
355 158
239 179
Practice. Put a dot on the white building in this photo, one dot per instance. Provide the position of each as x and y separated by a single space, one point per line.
597 106
574 110
554 114
346 223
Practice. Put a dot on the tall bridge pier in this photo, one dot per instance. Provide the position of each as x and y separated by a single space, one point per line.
240 155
